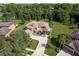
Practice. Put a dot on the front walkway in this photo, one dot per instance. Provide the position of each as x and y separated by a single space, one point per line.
30 49
41 46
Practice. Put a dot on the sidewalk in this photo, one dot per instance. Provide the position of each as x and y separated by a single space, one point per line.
30 49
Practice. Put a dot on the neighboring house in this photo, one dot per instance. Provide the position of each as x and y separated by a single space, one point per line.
73 45
6 28
38 27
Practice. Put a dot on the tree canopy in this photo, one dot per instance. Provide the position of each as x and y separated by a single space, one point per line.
58 12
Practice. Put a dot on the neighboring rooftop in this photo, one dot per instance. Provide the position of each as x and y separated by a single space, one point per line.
75 34
6 28
4 31
73 45
6 24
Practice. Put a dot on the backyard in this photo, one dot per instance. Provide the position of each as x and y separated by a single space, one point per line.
57 28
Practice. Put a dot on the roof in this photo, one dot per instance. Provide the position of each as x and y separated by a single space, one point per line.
75 34
75 45
40 25
6 24
4 31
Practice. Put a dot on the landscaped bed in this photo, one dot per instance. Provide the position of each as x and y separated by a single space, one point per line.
57 28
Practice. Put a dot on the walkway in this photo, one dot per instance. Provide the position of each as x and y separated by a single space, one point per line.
30 49
41 46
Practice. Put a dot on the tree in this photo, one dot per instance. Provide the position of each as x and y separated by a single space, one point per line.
62 39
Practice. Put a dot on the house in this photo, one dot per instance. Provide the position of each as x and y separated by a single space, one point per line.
73 45
38 27
6 28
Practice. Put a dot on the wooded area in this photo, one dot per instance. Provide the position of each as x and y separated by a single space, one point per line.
65 13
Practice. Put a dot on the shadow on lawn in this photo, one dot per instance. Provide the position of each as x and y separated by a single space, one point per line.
54 41
52 44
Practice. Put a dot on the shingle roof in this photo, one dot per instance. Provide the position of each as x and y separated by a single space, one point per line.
75 34
73 45
5 24
4 31
40 25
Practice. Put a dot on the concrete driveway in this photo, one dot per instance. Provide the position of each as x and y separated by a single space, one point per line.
41 46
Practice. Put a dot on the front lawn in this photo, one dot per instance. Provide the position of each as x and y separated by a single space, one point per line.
57 28
29 52
32 44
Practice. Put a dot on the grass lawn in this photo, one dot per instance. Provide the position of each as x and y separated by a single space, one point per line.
33 44
57 28
29 52
20 26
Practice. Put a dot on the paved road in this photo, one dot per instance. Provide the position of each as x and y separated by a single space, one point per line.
41 46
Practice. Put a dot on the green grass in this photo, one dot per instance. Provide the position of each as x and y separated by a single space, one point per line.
57 28
20 26
33 44
29 52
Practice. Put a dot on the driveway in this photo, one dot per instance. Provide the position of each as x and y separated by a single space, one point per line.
41 45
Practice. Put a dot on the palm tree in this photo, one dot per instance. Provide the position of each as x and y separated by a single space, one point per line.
62 39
